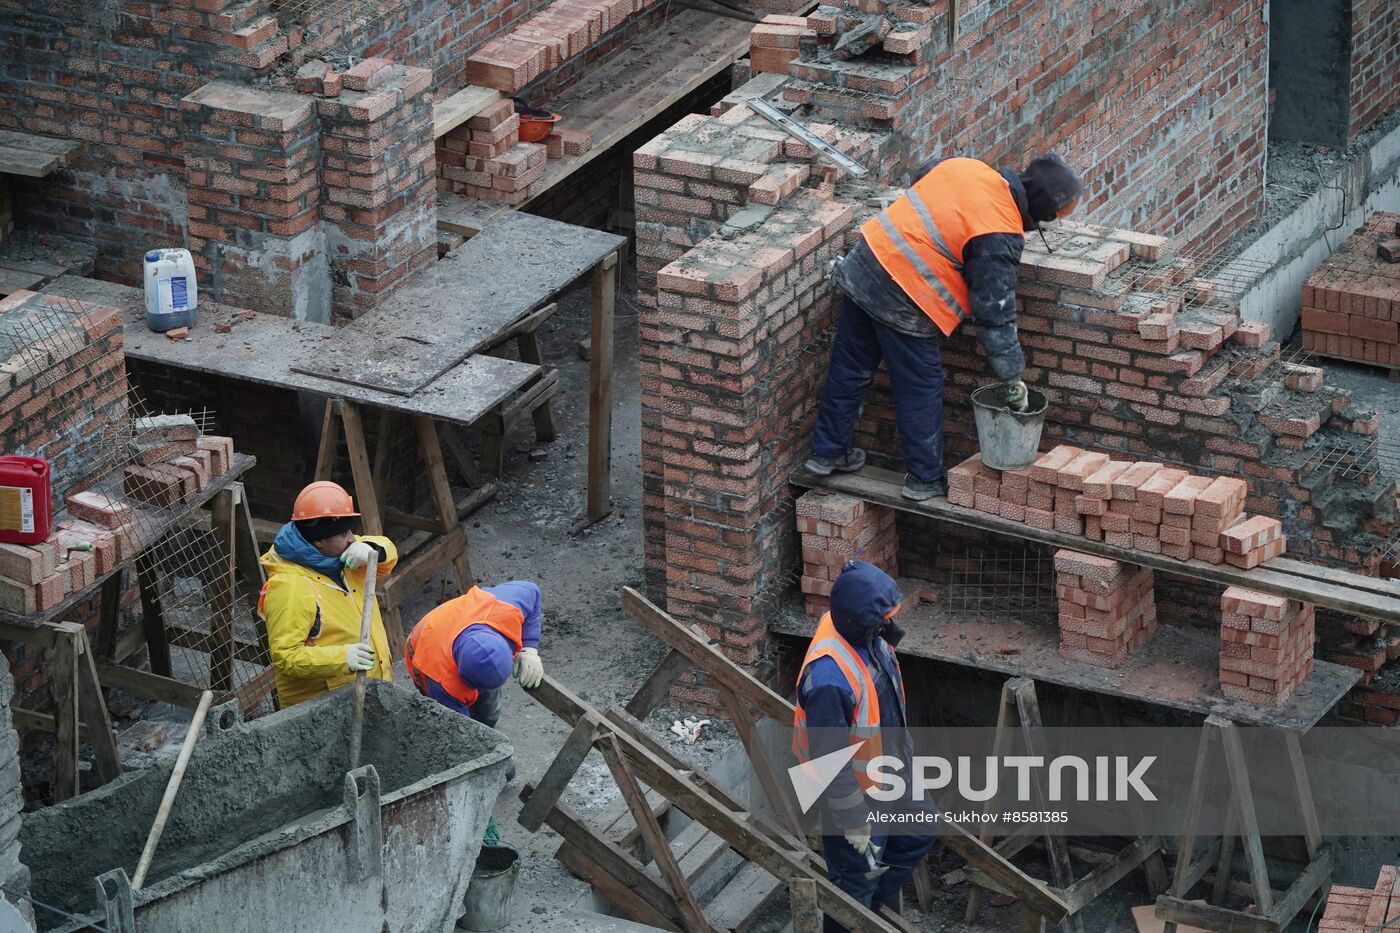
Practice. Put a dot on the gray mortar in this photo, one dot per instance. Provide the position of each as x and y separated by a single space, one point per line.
254 788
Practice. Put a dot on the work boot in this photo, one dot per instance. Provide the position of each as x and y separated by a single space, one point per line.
918 490
510 770
853 459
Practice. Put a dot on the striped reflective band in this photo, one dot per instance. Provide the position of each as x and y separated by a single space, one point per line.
917 261
848 660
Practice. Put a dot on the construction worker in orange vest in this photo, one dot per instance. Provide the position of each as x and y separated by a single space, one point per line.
463 652
946 251
315 588
850 689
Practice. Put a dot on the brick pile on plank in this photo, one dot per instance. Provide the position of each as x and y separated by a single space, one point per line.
1363 910
837 528
1143 505
485 159
1266 646
171 463
1107 609
1351 303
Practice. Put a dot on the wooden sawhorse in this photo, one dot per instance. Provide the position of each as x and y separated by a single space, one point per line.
1273 912
1020 708
437 542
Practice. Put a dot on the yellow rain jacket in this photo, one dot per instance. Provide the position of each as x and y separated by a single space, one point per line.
308 665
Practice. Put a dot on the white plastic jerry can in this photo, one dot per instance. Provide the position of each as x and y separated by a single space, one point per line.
171 295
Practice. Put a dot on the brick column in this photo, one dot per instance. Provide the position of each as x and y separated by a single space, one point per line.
251 174
838 528
1107 609
380 205
1266 646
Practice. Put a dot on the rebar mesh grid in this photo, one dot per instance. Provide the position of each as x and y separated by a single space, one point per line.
208 614
1247 370
308 12
998 584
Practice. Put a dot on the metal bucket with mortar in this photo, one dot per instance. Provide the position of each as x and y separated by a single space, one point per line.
488 896
1010 440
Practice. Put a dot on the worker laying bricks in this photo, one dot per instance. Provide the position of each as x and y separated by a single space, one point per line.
850 688
462 652
313 596
945 251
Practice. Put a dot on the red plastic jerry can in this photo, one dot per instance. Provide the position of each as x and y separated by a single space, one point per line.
26 513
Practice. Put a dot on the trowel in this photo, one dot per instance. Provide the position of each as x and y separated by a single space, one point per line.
872 860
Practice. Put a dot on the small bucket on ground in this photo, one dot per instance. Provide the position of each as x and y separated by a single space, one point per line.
1010 440
488 896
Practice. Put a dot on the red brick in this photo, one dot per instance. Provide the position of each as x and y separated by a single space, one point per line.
1181 500
1153 491
1250 534
1100 484
1072 475
1254 558
98 509
1046 469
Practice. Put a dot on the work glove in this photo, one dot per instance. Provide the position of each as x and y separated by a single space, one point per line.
529 669
829 270
859 837
356 555
1018 397
359 657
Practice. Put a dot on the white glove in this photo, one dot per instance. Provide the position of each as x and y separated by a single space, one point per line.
1018 397
359 657
859 837
829 270
356 555
529 669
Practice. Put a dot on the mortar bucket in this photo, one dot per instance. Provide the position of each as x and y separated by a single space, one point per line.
1010 440
493 884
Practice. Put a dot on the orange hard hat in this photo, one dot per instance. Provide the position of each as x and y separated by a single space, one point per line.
323 499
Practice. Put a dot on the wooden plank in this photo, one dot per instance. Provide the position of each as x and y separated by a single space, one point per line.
383 450
641 82
1209 917
412 574
704 655
1315 876
1312 831
622 898
456 109
658 685
50 145
764 769
329 448
63 673
1186 844
1244 803
692 918
1084 891
246 651
466 217
600 393
152 616
458 305
1001 741
561 770
1176 668
1345 591
806 918
12 281
436 469
372 520
748 895
611 858
95 716
27 162
41 722
146 685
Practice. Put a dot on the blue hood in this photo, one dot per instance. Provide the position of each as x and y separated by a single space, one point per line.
860 599
293 547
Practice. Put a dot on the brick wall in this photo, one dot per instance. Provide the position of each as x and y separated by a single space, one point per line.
1161 105
1375 63
64 385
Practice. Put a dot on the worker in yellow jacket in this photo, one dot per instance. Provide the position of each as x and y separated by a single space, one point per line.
315 588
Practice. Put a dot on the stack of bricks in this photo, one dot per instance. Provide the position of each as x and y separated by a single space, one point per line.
1363 910
775 42
1266 646
564 30
1107 608
1351 303
485 159
171 462
836 529
62 395
562 143
1141 505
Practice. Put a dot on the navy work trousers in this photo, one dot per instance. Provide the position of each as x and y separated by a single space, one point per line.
915 365
847 868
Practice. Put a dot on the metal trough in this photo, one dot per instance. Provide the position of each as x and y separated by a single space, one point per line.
271 833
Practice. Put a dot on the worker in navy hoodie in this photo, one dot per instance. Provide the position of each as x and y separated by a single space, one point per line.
462 652
850 689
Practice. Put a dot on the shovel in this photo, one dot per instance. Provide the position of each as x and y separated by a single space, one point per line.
172 787
366 616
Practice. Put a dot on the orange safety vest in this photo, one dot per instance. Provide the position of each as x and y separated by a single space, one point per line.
428 651
828 643
919 239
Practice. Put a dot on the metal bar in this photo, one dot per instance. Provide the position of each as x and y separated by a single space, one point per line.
796 130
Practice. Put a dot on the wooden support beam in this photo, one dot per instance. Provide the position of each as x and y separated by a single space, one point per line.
147 686
63 672
659 684
372 519
221 589
561 770
182 636
1244 804
42 722
600 376
806 918
1315 877
106 759
152 616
